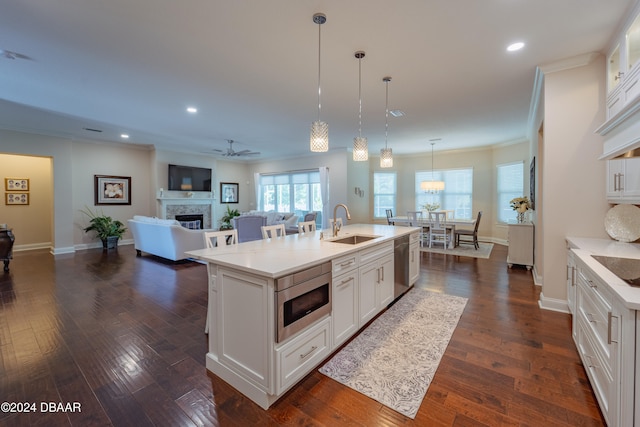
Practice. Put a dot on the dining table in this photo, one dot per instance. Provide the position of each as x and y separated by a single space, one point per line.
424 222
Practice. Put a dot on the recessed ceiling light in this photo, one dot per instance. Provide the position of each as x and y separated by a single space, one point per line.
396 113
192 110
515 46
124 136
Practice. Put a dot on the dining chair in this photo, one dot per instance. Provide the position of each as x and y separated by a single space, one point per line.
438 230
306 226
473 234
389 213
213 239
273 231
415 219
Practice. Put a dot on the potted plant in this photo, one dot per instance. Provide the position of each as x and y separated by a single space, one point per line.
106 228
225 221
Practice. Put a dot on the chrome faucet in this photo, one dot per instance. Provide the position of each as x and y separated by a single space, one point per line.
336 227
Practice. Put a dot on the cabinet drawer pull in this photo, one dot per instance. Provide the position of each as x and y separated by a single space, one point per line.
345 281
304 355
609 328
382 268
590 363
346 264
590 318
591 284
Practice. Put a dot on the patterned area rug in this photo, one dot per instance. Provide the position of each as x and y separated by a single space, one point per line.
484 251
394 360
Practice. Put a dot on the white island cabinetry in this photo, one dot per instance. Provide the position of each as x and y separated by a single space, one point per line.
243 346
606 327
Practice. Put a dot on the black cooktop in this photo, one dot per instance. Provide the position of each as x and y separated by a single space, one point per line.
628 269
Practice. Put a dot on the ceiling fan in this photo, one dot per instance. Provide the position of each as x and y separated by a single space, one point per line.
230 152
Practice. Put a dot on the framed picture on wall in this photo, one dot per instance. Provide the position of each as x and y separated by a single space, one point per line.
112 190
16 184
532 183
16 198
228 192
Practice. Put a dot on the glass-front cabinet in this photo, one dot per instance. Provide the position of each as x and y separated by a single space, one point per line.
623 68
632 39
613 69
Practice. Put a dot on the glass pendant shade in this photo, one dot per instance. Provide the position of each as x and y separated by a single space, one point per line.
360 149
319 141
386 158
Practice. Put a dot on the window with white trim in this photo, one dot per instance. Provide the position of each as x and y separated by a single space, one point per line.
384 193
297 192
510 184
457 195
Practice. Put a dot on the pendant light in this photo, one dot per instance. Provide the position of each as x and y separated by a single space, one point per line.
360 145
386 155
319 141
432 186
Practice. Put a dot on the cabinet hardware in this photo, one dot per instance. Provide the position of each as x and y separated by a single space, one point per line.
618 76
591 284
382 268
346 264
590 318
378 273
345 281
314 348
610 316
590 361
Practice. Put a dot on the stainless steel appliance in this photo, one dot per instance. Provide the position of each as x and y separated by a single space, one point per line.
301 299
401 265
628 269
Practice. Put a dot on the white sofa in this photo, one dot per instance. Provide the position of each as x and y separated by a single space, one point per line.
165 238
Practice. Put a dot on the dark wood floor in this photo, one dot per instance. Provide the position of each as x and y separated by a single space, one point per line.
123 336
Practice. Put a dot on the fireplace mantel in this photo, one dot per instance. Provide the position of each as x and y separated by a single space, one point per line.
168 207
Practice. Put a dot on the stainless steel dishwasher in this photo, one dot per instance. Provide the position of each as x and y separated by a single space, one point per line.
401 265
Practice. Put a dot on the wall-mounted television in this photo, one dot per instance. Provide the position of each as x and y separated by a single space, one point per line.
189 178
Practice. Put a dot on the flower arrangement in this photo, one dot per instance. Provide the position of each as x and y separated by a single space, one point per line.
431 206
520 204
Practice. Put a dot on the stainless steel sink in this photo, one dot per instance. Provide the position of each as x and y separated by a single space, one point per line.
354 239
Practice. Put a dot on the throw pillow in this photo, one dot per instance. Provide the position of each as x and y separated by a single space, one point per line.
191 225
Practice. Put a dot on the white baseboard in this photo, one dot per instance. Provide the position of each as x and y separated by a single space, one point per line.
553 304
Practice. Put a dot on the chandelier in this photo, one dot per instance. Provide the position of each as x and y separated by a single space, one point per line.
432 186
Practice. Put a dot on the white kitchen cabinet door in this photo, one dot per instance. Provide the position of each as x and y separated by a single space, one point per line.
344 307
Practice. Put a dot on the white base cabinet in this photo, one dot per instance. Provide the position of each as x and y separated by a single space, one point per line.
414 257
605 336
520 245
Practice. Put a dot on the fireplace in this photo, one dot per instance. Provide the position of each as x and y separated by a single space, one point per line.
191 217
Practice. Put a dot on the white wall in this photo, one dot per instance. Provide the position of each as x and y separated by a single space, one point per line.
573 200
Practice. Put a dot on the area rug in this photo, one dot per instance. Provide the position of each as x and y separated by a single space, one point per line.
394 359
484 251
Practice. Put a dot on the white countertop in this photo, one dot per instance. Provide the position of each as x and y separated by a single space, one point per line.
285 255
585 247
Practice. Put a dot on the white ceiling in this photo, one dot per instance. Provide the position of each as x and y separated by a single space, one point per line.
251 68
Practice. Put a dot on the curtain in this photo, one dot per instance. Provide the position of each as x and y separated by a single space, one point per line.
324 193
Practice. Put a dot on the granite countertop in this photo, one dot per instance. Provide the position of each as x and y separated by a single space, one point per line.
279 257
585 247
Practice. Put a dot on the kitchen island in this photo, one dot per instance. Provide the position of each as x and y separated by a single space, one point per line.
606 322
249 347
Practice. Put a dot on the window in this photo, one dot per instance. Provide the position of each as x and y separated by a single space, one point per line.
509 186
384 193
297 192
457 195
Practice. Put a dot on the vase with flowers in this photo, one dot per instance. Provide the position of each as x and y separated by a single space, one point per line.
520 205
430 207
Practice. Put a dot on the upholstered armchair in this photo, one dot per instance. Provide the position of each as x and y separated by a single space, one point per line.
249 227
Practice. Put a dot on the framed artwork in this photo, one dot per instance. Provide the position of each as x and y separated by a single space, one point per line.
16 184
112 190
532 183
16 198
228 192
